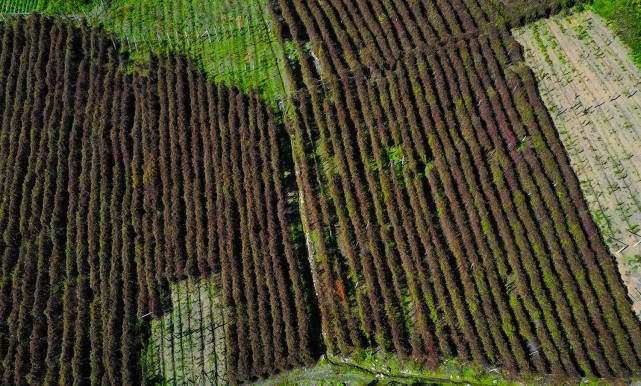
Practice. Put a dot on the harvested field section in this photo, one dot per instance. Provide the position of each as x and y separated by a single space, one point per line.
593 92
187 343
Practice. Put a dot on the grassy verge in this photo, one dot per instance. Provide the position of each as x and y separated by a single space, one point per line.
625 18
371 366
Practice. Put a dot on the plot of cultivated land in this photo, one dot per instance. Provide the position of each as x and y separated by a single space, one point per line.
187 344
593 92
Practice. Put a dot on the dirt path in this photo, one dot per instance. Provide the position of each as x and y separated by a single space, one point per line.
593 92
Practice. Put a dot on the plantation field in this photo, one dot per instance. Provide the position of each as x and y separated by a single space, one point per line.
116 185
15 6
516 13
438 202
218 191
232 40
593 91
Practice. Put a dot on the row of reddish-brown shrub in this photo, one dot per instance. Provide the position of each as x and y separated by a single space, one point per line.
117 184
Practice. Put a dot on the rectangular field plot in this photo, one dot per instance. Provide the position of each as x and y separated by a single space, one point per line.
187 343
593 92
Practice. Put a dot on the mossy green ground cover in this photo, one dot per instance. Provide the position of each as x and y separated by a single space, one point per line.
370 366
51 6
625 18
8 6
231 40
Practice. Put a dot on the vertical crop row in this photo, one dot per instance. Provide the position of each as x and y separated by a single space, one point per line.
73 102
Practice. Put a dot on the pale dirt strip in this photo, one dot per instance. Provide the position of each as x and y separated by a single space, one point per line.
593 92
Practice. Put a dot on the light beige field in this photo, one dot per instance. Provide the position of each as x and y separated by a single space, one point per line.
593 92
187 344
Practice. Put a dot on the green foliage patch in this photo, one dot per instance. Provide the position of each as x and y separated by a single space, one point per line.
371 365
232 41
625 17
